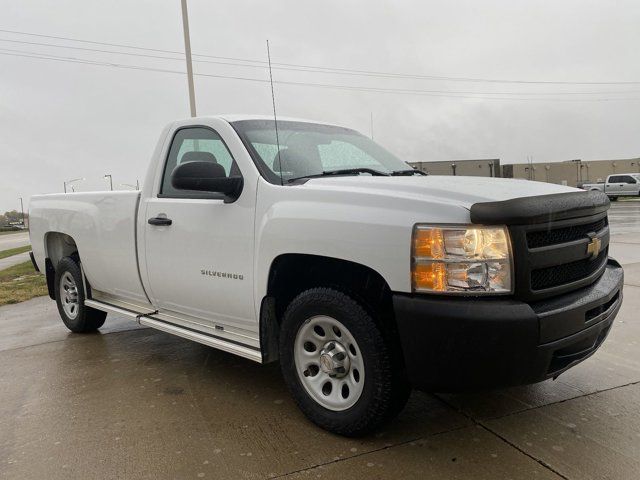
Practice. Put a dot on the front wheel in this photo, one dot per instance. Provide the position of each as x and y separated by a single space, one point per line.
338 364
70 297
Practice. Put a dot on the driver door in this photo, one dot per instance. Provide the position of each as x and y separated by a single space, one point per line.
199 263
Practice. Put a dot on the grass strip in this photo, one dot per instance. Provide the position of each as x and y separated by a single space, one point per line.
21 282
14 251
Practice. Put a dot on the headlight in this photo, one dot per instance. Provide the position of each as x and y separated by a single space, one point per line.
461 259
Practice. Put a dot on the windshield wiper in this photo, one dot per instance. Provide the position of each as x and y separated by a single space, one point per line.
407 173
344 171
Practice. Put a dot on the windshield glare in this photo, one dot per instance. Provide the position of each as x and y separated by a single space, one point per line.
310 149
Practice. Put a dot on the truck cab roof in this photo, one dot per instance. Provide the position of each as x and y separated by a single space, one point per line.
235 117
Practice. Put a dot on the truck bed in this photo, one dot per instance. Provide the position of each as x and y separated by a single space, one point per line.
103 225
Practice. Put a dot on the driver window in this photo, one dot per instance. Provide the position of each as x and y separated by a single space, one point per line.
197 144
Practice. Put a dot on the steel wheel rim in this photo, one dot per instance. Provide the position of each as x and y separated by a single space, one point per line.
332 388
69 295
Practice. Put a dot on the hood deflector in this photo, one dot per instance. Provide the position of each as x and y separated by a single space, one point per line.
539 209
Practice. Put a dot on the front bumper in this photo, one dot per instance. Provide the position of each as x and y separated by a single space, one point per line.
461 344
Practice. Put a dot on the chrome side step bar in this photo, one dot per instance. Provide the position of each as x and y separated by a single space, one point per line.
209 340
189 334
105 307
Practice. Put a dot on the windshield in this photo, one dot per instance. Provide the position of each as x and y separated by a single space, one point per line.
311 149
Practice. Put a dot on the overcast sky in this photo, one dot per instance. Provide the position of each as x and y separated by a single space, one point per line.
60 120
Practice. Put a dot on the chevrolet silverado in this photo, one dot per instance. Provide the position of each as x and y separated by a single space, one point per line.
309 244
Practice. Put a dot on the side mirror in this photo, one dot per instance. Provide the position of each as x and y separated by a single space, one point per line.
206 177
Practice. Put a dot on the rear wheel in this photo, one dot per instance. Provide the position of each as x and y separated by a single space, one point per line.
70 297
338 364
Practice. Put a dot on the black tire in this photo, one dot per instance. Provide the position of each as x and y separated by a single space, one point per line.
385 391
86 319
613 198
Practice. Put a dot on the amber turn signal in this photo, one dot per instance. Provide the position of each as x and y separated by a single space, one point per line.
430 276
428 243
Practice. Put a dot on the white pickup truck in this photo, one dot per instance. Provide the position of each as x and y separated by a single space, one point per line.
618 185
314 246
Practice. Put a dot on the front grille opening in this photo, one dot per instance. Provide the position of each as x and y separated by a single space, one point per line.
600 309
566 273
556 236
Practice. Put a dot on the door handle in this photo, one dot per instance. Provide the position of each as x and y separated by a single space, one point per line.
160 221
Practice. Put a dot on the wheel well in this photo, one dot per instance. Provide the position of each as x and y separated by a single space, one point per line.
57 246
291 274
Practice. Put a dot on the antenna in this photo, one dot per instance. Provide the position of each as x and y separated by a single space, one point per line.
275 118
371 125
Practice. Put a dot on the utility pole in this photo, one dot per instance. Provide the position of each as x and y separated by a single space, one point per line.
187 52
110 181
22 210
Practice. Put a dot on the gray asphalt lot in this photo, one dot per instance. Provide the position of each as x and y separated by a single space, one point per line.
131 402
13 260
14 240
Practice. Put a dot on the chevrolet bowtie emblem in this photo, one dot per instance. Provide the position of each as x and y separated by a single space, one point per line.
594 245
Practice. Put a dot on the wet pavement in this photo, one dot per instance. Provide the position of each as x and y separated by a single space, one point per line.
625 216
131 402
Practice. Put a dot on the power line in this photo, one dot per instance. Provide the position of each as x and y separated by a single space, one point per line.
336 69
265 67
85 49
302 84
19 53
89 41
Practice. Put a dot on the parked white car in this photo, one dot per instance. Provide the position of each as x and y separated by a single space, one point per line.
316 247
618 185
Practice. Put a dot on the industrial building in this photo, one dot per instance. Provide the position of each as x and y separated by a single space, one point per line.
571 172
474 168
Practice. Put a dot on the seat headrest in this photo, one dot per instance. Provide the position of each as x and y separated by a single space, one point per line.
296 162
198 157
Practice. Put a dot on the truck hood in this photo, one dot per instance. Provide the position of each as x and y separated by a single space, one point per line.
452 190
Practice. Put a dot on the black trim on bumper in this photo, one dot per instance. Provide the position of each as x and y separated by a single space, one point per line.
462 344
